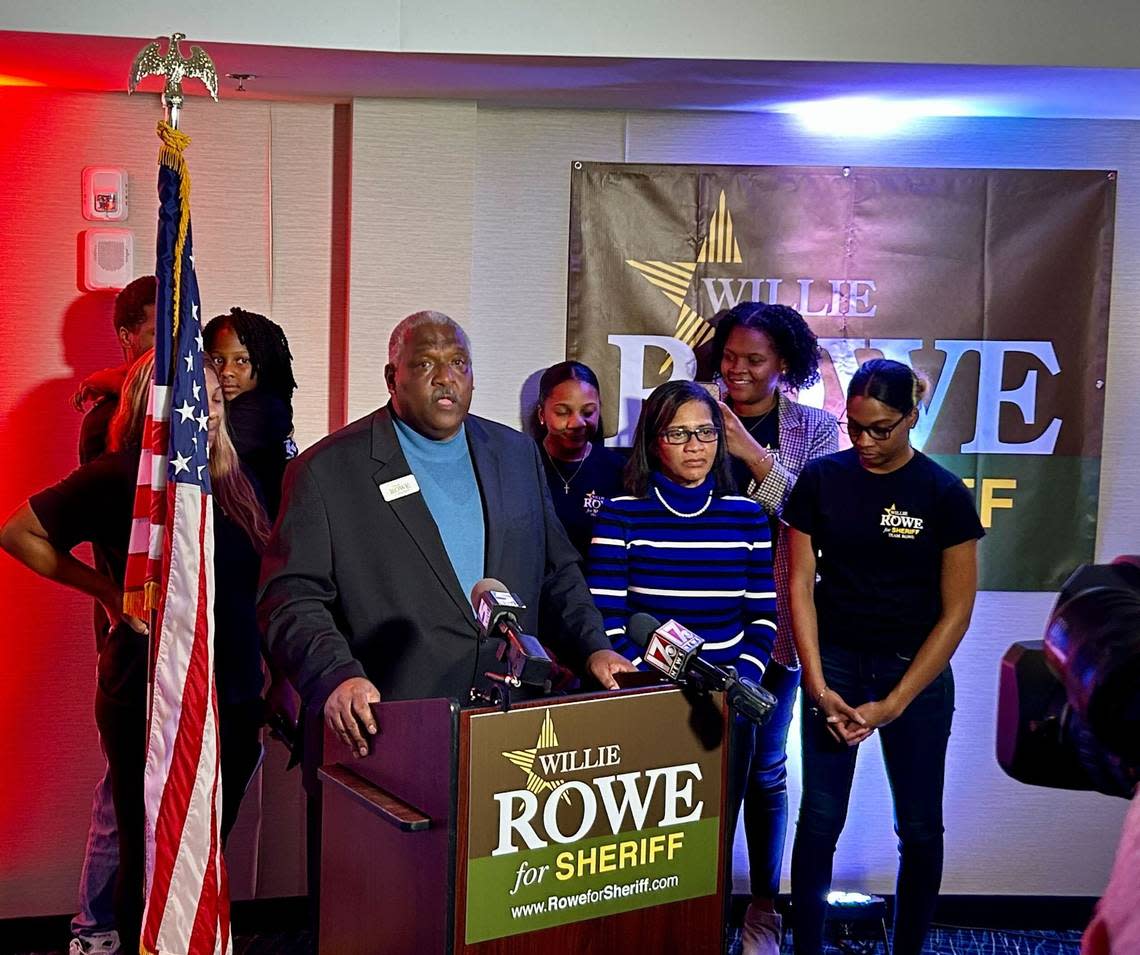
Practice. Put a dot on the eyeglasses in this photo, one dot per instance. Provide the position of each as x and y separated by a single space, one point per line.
706 434
874 432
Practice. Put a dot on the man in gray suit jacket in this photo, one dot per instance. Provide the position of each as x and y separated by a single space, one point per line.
385 526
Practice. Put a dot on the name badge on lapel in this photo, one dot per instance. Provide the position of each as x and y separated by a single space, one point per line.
401 487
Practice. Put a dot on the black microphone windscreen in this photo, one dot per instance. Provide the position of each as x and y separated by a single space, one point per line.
639 627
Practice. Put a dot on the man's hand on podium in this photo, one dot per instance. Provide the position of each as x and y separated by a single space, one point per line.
347 712
603 664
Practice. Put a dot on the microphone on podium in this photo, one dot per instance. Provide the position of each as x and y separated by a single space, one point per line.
498 611
674 650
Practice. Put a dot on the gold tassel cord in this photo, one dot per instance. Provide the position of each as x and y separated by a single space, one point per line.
139 603
174 143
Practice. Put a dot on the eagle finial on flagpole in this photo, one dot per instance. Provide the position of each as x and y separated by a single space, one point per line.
175 67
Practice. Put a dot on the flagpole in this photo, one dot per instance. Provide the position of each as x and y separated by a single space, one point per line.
170 567
174 68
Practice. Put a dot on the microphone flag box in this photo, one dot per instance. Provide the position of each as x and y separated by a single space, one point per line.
492 603
671 647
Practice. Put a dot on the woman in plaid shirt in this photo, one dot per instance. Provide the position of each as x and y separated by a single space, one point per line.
760 352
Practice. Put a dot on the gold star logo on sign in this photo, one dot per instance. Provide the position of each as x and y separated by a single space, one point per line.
674 279
524 759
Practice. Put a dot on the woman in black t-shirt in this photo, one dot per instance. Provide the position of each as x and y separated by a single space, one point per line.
94 504
580 471
896 536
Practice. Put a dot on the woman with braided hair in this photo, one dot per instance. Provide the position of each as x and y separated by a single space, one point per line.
251 356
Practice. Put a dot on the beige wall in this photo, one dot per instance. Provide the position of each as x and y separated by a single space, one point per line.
413 181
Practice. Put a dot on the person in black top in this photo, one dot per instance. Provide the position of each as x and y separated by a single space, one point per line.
761 351
93 926
580 470
94 504
896 536
252 358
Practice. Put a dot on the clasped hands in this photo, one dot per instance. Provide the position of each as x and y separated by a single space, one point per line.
851 725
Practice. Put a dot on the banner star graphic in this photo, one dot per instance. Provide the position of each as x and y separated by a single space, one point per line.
675 279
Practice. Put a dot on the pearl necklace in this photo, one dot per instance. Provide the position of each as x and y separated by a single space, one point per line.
672 510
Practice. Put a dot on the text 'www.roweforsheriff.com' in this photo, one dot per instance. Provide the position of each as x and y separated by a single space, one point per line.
558 903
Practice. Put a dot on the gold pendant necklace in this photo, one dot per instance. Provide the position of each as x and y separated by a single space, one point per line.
751 429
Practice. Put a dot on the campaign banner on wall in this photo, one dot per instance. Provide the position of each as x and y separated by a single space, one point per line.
589 808
994 283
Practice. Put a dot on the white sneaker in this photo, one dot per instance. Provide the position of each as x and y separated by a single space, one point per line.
97 943
762 930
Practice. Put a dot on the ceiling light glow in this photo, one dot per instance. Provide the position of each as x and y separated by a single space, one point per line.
869 116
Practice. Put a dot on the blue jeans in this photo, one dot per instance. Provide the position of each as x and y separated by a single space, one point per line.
914 751
758 777
100 864
766 794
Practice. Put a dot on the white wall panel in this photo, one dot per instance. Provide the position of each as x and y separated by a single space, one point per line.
412 210
518 279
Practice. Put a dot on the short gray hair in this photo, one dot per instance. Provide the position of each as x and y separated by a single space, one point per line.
402 332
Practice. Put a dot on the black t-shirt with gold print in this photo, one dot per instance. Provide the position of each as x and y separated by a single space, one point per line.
880 539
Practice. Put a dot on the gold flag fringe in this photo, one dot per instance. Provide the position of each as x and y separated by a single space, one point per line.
139 603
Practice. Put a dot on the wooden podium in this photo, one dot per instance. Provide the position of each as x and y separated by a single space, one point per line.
421 838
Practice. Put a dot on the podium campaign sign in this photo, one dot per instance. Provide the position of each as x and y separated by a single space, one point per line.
591 807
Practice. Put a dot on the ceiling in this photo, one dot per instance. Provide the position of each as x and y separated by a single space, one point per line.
101 64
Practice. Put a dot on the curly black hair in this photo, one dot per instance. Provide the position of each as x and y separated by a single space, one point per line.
794 342
267 345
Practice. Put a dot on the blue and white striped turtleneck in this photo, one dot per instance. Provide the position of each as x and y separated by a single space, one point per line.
685 553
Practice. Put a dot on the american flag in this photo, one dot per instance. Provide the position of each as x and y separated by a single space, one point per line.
170 570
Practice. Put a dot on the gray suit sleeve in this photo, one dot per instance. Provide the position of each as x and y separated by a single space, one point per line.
298 591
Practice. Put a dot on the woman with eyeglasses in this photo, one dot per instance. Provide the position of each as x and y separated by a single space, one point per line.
761 351
682 544
896 537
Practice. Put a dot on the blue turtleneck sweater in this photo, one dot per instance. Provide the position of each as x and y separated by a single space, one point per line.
446 477
685 553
